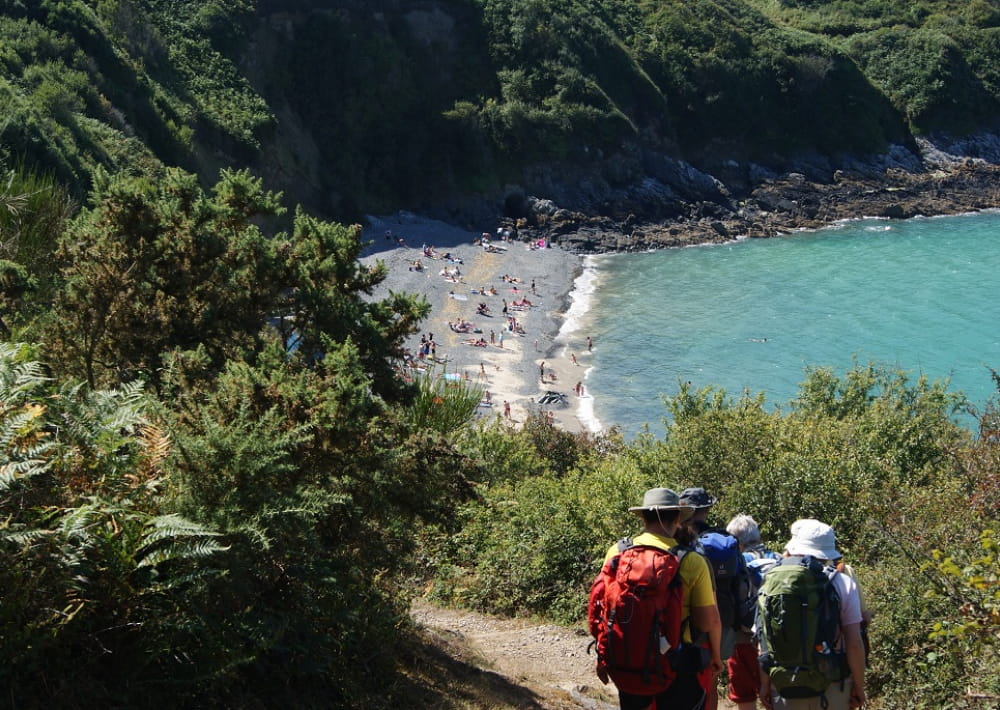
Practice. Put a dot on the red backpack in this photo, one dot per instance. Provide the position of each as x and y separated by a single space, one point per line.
634 614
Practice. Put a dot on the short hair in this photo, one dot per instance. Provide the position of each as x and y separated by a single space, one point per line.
660 516
745 529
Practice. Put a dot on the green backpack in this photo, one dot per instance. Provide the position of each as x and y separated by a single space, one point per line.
798 619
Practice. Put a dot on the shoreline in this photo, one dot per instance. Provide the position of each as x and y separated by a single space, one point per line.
564 278
508 362
575 347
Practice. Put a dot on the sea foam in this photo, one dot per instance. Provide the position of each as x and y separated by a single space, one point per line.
581 298
576 318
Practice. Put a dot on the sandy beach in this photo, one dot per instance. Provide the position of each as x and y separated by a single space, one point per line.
511 364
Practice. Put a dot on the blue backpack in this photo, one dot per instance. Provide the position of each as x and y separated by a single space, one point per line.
733 588
758 561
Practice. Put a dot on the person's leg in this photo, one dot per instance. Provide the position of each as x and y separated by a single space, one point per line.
685 693
744 676
627 701
837 697
780 703
708 681
712 693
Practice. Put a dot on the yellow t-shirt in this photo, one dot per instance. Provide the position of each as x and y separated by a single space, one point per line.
696 577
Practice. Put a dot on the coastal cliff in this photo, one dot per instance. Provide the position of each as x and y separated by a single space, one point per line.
612 127
635 124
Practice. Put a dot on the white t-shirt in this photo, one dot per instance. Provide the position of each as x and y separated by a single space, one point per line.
850 604
850 599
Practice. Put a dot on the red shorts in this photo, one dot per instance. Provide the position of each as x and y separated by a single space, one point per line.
744 673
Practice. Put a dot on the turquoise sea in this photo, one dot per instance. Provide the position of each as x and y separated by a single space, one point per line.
922 295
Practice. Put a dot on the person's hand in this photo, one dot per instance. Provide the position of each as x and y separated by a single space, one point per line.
602 673
857 695
765 690
717 665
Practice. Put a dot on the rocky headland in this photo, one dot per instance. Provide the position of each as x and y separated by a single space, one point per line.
663 202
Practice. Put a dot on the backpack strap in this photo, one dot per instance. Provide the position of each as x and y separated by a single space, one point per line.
624 544
681 551
830 571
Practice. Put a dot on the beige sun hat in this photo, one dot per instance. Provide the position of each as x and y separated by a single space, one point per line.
663 499
811 537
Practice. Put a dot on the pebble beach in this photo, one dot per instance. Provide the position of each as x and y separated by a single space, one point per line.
508 364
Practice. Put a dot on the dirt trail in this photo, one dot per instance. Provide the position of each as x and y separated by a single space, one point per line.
550 660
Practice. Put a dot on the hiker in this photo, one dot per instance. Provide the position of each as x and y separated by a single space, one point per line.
701 501
729 572
742 667
669 674
811 654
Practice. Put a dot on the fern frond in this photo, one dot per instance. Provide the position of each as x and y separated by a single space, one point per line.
176 581
20 380
16 472
156 442
21 427
155 445
74 523
89 414
183 540
25 538
181 551
173 526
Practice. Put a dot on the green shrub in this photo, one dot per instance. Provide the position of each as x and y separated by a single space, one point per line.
872 452
443 405
33 211
101 584
529 546
927 76
318 486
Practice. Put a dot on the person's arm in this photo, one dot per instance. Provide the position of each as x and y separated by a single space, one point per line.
697 576
706 618
856 662
765 688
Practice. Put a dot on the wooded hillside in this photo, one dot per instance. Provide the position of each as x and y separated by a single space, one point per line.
354 107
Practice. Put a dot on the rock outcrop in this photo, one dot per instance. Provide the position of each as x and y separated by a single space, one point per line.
674 204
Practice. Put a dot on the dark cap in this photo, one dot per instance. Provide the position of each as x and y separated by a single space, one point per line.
697 498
